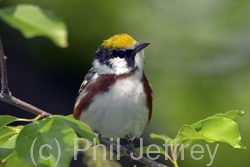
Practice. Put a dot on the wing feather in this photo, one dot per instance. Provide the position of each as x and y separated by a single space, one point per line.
87 79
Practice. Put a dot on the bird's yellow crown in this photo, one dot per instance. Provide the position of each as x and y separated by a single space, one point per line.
119 41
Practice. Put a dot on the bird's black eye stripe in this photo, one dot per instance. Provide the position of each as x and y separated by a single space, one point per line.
119 53
123 53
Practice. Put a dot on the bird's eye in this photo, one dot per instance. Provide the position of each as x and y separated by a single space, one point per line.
121 55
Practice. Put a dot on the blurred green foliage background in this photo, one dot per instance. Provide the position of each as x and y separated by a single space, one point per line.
198 61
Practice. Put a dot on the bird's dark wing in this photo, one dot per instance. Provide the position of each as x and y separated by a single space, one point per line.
87 79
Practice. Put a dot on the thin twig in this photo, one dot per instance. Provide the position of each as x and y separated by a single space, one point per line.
4 80
23 105
5 94
127 152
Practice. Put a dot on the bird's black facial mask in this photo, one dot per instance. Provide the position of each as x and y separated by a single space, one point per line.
104 56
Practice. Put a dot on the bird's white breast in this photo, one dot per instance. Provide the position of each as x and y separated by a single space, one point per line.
121 111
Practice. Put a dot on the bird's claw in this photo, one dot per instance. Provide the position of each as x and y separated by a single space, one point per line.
131 148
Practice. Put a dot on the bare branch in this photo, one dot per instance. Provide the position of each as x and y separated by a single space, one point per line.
4 80
5 94
127 152
23 105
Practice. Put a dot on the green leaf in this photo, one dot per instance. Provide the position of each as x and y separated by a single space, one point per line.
7 141
33 21
13 160
163 137
82 129
222 130
159 136
230 115
6 119
47 142
212 129
187 134
217 128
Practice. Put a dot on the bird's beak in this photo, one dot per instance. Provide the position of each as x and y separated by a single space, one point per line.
141 46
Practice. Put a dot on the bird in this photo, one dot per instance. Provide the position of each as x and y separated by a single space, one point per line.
115 99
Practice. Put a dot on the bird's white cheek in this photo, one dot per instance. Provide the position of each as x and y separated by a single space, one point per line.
120 65
139 59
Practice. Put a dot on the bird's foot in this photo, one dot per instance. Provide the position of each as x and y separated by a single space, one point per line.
131 148
99 136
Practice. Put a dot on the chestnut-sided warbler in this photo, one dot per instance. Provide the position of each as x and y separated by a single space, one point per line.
115 98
